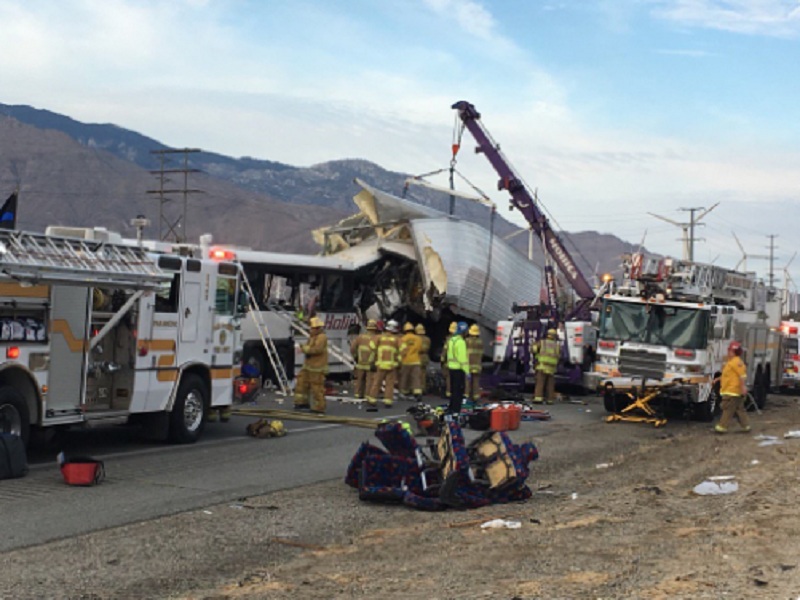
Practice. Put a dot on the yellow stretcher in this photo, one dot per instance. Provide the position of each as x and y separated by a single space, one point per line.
641 404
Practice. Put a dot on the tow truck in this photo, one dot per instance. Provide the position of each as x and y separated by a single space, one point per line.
512 348
96 331
664 335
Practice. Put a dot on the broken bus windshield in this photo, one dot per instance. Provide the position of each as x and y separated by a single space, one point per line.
672 326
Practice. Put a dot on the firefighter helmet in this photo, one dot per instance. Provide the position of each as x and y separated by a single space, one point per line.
735 347
474 329
392 326
408 327
315 322
420 329
453 327
372 324
552 334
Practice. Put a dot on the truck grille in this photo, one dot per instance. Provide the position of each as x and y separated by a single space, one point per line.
641 363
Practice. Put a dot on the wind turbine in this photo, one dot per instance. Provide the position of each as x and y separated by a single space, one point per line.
789 304
688 239
743 261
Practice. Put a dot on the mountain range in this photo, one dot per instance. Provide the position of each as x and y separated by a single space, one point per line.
86 174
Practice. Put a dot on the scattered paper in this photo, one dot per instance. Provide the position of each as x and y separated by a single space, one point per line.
792 434
574 495
755 462
501 524
770 443
761 436
722 477
715 488
603 465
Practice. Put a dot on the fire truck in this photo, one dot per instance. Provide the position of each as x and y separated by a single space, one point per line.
664 333
97 331
791 358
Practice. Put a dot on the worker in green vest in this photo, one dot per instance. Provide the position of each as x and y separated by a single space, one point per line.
475 358
546 352
443 359
457 367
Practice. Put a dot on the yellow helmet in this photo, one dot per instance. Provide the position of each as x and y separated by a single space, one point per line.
372 324
552 333
474 330
408 327
278 428
453 326
315 322
420 329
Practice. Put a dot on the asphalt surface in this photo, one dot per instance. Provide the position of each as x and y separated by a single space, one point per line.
145 480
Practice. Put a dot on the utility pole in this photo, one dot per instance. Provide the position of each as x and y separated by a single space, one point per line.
771 247
688 228
170 224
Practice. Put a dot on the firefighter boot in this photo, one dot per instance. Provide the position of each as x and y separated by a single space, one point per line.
537 400
225 414
372 405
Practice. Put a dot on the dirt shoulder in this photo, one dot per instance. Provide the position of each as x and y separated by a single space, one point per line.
630 529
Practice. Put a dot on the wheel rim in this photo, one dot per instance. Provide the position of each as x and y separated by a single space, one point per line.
193 410
10 420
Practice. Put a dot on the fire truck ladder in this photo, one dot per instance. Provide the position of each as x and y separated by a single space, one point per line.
302 329
38 258
274 358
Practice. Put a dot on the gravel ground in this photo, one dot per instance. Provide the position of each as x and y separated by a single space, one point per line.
613 516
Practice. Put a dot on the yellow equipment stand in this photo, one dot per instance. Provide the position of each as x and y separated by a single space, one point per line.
641 404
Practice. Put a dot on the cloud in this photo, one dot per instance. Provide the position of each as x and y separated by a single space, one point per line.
778 18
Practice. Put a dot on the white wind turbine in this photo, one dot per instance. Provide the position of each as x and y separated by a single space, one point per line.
789 304
743 261
686 227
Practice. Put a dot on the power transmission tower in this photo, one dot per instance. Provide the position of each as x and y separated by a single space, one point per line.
172 222
688 228
771 247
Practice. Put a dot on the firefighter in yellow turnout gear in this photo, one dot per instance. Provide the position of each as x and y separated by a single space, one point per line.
386 362
443 360
312 375
424 356
410 346
363 350
547 352
475 356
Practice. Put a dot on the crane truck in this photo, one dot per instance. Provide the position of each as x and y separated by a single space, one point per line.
514 338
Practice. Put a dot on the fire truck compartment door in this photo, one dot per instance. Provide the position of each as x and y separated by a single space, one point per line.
69 339
190 311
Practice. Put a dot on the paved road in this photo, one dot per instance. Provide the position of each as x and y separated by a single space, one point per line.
146 480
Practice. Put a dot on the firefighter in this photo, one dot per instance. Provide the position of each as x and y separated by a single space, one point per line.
424 356
547 352
386 361
363 350
410 345
443 359
474 356
312 375
733 389
457 367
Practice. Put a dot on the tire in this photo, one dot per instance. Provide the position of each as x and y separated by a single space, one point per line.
187 419
14 415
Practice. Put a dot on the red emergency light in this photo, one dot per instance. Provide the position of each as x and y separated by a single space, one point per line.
685 353
221 254
12 352
608 345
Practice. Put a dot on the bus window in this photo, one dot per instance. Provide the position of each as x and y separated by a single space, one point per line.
337 293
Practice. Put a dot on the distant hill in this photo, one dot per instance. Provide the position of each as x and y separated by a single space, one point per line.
98 174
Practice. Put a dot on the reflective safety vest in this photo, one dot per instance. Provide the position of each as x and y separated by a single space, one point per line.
388 350
425 349
445 346
547 356
410 345
363 350
457 354
474 353
316 351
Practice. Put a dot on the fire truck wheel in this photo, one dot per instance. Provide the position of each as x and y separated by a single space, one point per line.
187 418
14 416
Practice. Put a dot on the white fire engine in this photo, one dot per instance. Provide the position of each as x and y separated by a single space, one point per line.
664 336
102 332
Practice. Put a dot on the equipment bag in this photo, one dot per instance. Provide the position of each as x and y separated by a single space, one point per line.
13 460
83 471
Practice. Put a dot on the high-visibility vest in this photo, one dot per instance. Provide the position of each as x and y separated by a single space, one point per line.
410 345
445 346
474 353
387 354
457 354
547 356
363 350
316 351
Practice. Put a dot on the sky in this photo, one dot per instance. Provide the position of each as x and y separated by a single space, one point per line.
612 110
